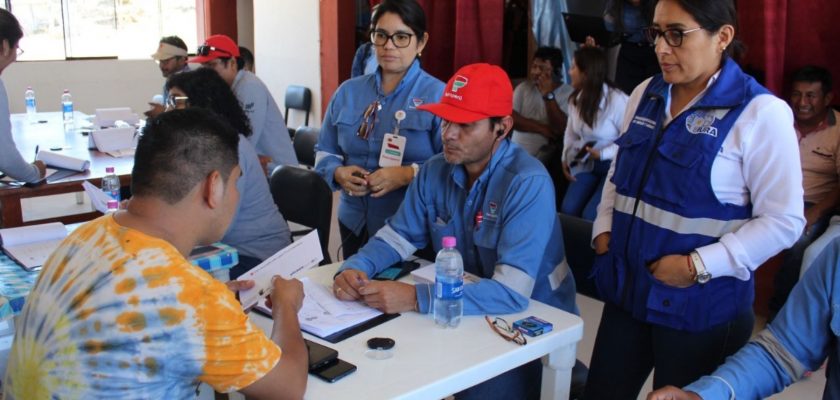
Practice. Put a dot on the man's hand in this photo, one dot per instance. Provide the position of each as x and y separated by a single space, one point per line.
264 160
156 110
42 168
389 297
354 185
602 243
544 83
385 180
287 292
672 393
673 270
236 286
348 283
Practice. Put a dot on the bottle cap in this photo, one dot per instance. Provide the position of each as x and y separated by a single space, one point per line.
448 241
113 204
29 88
109 170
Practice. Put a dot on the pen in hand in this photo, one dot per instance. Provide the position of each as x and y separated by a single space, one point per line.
37 147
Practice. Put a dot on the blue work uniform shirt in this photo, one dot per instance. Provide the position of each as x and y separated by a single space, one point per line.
338 144
517 247
270 136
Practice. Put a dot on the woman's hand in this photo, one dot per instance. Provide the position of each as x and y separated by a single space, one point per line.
673 270
594 153
385 180
602 243
568 173
352 179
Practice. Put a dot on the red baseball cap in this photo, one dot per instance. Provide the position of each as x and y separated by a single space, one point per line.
216 46
475 92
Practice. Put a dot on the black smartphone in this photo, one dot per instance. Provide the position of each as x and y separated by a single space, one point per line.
582 152
319 355
334 370
396 271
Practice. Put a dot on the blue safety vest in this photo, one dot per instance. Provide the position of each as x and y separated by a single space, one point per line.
665 204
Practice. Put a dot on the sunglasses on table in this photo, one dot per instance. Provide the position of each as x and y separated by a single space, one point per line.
503 328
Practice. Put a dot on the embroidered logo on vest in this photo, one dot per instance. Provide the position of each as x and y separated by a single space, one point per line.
701 122
645 122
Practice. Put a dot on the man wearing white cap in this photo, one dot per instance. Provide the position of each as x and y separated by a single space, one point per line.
171 57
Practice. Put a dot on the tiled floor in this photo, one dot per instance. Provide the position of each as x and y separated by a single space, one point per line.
810 388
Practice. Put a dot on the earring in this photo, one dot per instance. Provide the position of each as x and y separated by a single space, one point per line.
419 54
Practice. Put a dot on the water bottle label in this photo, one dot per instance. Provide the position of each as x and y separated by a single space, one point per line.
30 103
67 108
449 290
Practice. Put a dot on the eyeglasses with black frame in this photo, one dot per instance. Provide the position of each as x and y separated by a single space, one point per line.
173 102
400 39
503 328
673 36
204 50
368 120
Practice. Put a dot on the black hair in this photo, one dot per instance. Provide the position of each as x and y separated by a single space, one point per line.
555 57
10 29
246 56
206 89
174 41
408 10
179 149
712 15
813 73
592 64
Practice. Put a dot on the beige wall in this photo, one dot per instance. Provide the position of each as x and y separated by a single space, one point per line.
94 84
287 43
245 23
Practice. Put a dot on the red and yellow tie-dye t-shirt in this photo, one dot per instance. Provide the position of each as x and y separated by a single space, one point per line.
118 314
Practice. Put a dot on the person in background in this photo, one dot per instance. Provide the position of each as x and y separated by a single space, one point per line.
819 151
364 61
258 230
541 105
171 57
270 136
706 186
499 204
636 57
11 162
248 59
800 338
365 112
596 113
119 312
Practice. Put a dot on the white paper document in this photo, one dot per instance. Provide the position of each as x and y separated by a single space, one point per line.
322 314
98 198
31 245
114 139
290 262
59 160
426 273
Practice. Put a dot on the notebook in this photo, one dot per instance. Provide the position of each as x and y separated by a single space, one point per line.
30 246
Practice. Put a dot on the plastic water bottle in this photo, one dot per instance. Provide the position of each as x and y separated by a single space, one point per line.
113 206
111 184
67 107
29 96
449 285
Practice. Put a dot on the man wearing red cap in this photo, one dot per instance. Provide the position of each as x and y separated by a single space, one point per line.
498 202
270 135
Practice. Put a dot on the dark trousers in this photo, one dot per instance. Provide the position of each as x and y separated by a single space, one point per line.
351 242
523 382
626 350
635 64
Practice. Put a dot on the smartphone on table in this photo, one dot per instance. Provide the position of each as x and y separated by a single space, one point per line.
396 271
319 355
334 370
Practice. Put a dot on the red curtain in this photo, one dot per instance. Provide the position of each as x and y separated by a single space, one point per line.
461 32
785 35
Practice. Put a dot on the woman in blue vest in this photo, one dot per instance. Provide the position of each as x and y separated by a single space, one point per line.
706 186
357 152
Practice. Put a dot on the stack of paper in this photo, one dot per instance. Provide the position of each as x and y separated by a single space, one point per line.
322 314
31 245
63 161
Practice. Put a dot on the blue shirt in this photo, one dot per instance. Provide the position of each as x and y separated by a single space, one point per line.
517 247
270 135
338 144
799 339
258 229
364 62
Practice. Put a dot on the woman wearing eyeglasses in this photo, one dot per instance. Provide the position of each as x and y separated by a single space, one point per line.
706 186
373 138
258 230
11 162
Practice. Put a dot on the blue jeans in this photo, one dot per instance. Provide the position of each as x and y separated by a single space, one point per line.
584 194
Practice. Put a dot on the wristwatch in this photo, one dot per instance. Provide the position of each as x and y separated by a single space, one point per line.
549 96
703 275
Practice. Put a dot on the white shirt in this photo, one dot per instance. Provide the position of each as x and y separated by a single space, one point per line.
608 125
758 164
528 102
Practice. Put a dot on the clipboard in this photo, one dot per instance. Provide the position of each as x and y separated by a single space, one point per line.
342 334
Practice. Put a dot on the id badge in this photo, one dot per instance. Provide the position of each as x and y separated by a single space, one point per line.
393 147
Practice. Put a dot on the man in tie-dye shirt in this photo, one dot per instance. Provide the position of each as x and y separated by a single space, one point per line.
119 313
